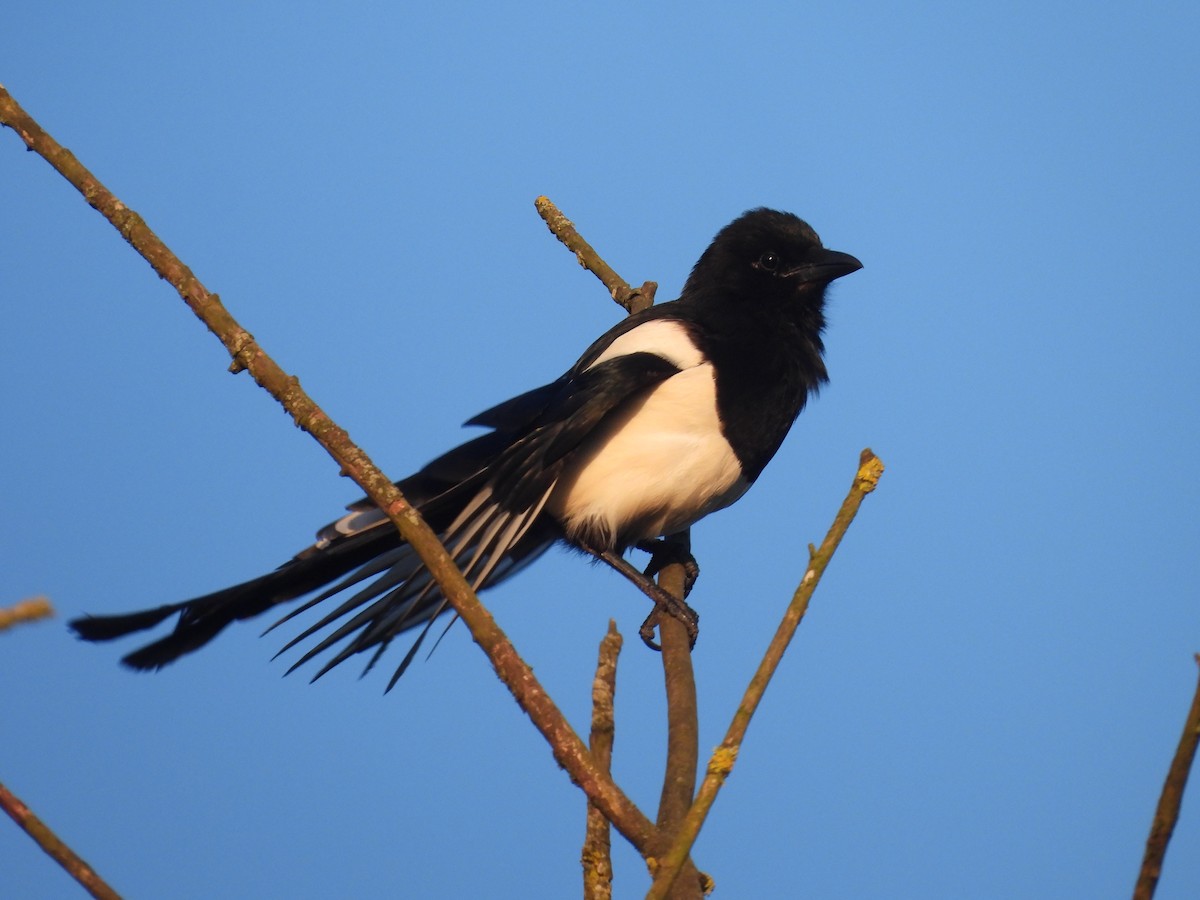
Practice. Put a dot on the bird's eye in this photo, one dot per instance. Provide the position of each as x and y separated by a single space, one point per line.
769 261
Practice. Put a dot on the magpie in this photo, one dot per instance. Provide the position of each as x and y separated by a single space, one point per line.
668 416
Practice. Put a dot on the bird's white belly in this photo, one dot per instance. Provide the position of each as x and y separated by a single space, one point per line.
654 468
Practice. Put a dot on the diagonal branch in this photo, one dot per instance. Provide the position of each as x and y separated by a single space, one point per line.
1167 813
633 299
724 757
568 749
54 847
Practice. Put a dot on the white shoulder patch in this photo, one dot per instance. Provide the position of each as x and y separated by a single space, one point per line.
662 337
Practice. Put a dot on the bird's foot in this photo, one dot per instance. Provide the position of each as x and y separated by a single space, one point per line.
671 550
668 551
664 601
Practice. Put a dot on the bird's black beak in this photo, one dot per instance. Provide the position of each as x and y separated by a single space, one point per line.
829 265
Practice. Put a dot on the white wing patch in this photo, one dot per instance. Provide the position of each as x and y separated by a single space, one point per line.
662 337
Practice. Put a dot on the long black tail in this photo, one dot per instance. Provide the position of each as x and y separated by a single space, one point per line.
354 549
203 618
490 544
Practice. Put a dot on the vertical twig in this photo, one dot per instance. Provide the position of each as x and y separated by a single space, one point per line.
1167 813
724 757
54 847
597 845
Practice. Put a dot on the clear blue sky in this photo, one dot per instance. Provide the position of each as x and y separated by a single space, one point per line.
985 696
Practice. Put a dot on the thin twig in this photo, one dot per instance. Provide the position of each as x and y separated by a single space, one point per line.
1167 813
54 847
597 846
633 299
568 748
724 757
26 611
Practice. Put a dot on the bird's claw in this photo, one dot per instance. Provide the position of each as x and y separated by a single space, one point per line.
678 610
646 632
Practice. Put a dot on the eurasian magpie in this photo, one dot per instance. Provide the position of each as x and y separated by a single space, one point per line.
670 415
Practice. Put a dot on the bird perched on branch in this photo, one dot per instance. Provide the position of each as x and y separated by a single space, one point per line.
670 415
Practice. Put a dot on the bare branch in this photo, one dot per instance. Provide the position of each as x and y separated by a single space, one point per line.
683 728
54 847
597 856
724 757
26 611
568 749
1167 813
634 300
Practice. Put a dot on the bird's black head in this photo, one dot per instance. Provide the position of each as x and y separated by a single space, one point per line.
767 257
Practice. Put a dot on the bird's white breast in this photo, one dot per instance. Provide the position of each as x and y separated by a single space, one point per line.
655 467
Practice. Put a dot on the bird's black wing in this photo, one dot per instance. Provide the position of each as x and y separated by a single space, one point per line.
499 528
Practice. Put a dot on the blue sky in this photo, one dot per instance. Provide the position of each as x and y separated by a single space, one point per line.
990 684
